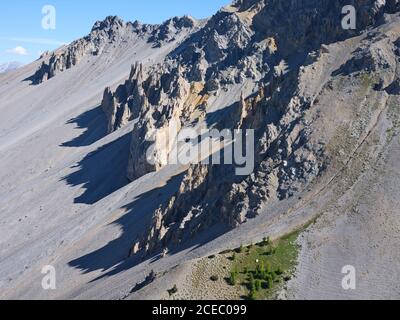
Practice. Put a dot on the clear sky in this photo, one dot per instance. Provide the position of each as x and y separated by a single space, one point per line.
23 38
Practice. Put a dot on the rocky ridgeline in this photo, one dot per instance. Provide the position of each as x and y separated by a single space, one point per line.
66 57
111 31
168 31
249 44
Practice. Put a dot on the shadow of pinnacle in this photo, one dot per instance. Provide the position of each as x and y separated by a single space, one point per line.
95 123
102 172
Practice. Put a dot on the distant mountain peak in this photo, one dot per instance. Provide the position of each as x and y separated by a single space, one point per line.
10 66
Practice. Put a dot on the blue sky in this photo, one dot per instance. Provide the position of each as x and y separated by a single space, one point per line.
22 36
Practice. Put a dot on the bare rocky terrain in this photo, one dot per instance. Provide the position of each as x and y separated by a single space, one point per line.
77 191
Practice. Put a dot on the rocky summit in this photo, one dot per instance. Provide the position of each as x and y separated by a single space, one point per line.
314 85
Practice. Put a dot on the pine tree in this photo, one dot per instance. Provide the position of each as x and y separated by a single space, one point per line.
233 278
252 283
262 270
257 285
270 283
252 287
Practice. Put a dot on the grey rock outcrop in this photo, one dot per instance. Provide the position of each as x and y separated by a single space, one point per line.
111 31
66 57
167 31
252 44
128 100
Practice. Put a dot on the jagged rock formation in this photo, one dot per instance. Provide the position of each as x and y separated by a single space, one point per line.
178 90
251 43
112 31
102 33
286 162
168 31
127 102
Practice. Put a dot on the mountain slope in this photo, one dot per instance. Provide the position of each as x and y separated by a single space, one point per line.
77 192
56 159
